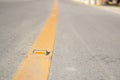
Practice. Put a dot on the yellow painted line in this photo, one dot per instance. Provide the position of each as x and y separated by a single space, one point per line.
35 67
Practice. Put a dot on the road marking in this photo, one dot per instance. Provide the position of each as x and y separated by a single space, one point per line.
36 67
40 52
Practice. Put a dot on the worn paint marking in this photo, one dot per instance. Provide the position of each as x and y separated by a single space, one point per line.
36 67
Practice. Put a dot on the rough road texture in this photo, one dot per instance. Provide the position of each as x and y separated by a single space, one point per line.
87 44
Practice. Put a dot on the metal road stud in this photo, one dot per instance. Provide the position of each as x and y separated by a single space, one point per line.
40 52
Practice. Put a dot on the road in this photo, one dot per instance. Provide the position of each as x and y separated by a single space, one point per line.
20 23
87 45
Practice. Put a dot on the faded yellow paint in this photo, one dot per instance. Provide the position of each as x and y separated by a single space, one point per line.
36 67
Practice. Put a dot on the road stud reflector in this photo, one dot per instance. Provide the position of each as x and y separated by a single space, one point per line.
40 52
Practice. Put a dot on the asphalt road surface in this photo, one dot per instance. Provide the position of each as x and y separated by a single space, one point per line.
87 43
20 23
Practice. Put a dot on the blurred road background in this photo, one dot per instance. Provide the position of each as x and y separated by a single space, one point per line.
87 41
20 23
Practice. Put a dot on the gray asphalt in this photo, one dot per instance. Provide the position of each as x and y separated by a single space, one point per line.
87 45
20 23
87 42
